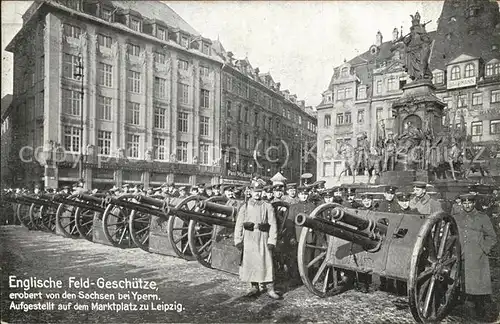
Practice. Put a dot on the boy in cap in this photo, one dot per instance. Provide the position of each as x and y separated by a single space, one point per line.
255 234
477 237
278 192
389 204
422 201
291 196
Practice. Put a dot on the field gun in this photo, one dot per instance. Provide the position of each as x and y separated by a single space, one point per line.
89 208
422 251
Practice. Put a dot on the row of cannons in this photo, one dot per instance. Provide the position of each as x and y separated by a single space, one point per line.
336 244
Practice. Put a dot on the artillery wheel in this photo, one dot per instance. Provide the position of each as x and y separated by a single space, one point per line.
139 224
320 277
435 268
115 226
49 218
23 215
36 216
201 236
65 220
84 222
177 228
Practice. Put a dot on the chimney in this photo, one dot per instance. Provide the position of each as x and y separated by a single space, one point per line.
278 85
379 38
395 34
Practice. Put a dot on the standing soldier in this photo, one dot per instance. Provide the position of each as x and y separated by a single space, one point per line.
255 234
278 192
404 204
291 196
477 237
389 204
423 201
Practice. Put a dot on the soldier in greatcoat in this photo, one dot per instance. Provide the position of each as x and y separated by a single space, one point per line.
255 233
477 238
422 201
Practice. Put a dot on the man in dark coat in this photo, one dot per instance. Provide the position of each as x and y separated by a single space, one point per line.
404 204
477 237
422 201
351 202
389 204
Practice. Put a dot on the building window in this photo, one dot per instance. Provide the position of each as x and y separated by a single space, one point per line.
161 33
182 151
184 93
72 101
245 141
183 65
345 72
495 96
134 50
379 87
107 15
72 138
361 93
344 93
71 31
462 101
160 117
133 113
477 128
455 73
228 109
184 41
493 69
133 145
159 58
328 120
477 99
495 127
327 169
361 116
447 102
104 41
104 107
105 75
470 70
300 120
204 71
135 25
205 49
439 78
182 122
228 136
347 119
104 142
204 125
245 116
41 72
326 144
379 114
340 119
204 148
160 88
204 98
134 81
256 119
70 66
391 84
159 148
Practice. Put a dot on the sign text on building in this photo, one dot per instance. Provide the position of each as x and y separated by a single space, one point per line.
460 83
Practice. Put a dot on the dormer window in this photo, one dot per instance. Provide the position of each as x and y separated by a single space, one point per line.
470 70
107 14
362 93
135 24
438 78
344 72
492 69
71 31
184 41
455 73
205 49
161 33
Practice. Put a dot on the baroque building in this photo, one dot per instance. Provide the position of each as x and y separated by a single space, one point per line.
264 129
128 85
466 74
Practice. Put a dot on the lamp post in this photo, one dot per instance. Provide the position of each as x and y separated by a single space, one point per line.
79 74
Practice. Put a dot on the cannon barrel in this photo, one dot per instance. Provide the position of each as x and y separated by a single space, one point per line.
367 226
132 205
218 208
337 230
77 203
150 201
200 217
89 198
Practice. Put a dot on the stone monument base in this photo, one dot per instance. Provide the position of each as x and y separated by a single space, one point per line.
397 178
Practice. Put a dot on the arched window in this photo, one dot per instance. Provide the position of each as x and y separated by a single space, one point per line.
345 71
455 73
470 70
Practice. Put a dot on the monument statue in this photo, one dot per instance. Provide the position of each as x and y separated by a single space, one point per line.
389 152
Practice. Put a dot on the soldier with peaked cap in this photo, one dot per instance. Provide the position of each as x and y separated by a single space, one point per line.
351 202
255 233
404 204
337 194
268 193
216 190
389 204
328 196
291 196
477 237
208 191
368 202
183 190
278 192
422 201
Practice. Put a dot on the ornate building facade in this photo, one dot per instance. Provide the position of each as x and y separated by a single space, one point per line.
148 102
466 75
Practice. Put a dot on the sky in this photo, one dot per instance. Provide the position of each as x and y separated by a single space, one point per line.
298 42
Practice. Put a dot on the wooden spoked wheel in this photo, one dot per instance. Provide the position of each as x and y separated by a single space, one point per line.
320 277
201 236
139 224
66 221
434 280
177 228
115 225
36 216
84 222
49 218
23 215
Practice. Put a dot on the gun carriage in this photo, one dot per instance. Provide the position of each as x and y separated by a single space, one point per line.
43 212
337 244
90 207
22 204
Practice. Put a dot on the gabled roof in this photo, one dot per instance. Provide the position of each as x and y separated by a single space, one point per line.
462 58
